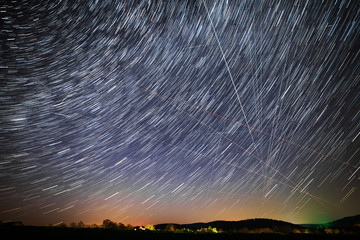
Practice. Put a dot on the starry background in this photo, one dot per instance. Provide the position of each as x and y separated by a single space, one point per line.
179 111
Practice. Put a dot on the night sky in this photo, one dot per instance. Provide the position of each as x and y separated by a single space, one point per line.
179 111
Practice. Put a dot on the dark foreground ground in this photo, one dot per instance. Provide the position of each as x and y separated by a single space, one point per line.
27 232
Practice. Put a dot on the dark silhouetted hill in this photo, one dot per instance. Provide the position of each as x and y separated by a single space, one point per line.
244 226
346 222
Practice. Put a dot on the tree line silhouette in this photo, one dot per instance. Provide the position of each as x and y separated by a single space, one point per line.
253 226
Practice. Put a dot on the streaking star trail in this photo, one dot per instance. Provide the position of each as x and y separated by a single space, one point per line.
179 111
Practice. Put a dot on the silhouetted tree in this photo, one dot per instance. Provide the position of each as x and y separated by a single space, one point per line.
121 226
108 224
94 226
77 225
73 225
81 224
129 227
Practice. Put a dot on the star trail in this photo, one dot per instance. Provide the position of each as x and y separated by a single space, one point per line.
179 111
